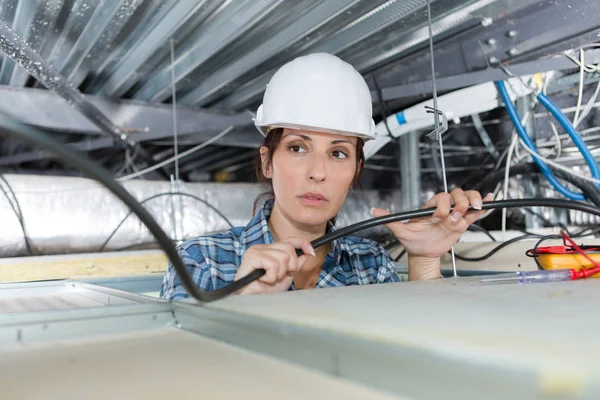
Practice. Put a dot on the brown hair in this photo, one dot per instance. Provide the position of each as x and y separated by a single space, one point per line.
271 142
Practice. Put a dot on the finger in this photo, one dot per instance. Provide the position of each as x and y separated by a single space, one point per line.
379 212
475 199
291 259
271 267
301 261
284 258
442 203
301 244
461 204
473 216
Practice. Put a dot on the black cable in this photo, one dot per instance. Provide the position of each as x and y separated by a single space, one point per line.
427 212
34 136
161 195
534 252
31 135
495 249
16 207
399 256
514 240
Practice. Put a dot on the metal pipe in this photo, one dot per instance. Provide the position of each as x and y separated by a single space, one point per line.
410 171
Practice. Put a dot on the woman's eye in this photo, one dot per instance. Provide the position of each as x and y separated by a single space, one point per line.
339 154
296 148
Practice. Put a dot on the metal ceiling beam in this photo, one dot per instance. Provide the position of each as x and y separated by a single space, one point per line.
207 159
122 77
97 38
398 39
487 75
529 31
230 161
302 27
46 110
231 23
378 19
246 137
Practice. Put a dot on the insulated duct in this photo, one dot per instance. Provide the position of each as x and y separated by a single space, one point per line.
71 215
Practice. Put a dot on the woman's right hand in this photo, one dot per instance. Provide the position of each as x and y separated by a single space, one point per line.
280 262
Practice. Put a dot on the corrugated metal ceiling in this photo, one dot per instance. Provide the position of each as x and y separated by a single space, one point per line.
225 51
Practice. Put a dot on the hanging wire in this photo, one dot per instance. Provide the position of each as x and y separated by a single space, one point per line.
173 91
436 116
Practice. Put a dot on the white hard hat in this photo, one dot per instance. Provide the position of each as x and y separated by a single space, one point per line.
318 92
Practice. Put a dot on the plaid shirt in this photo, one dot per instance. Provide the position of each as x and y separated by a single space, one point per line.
214 260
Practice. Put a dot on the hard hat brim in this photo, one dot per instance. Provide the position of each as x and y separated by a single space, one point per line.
263 128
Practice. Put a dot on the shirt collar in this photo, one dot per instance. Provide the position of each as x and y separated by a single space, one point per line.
257 231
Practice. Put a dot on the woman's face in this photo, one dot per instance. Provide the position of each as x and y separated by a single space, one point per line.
311 174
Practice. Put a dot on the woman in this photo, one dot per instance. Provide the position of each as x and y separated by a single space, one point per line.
316 115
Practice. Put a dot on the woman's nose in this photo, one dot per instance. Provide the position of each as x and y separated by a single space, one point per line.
318 169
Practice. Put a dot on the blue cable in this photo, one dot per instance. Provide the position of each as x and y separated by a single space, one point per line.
568 127
575 136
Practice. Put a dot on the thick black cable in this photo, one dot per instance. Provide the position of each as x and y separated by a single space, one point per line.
534 202
31 135
162 195
16 207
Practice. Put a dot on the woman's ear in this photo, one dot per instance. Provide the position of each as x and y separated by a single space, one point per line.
265 163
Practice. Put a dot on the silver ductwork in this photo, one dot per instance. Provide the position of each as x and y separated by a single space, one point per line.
71 215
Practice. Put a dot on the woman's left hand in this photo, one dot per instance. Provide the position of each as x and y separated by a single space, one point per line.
432 237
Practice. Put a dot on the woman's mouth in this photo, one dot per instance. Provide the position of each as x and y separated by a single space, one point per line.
314 199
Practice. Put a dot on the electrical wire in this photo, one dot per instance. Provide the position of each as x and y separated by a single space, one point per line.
495 249
579 90
178 157
537 245
34 136
16 207
568 127
591 192
162 195
174 96
513 144
558 140
512 241
559 166
589 105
